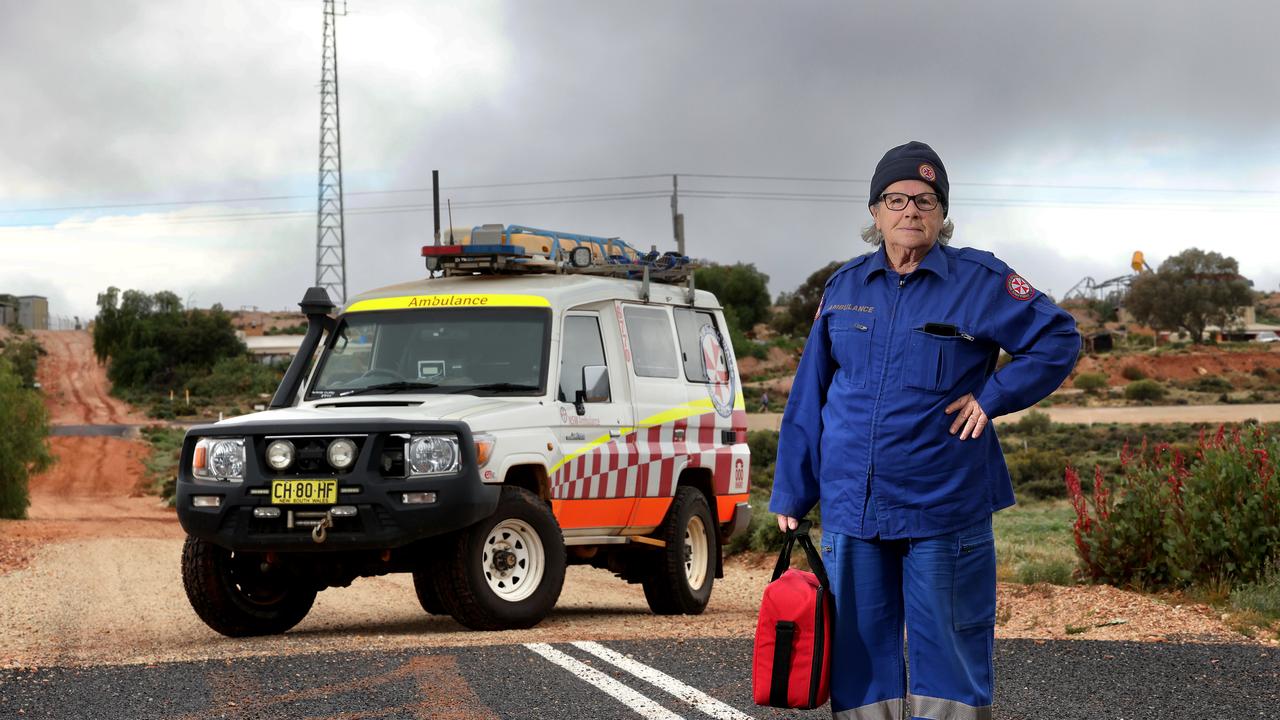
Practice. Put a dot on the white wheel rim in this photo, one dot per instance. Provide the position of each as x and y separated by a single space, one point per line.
695 552
513 560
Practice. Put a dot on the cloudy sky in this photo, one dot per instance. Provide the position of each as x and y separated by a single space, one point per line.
174 145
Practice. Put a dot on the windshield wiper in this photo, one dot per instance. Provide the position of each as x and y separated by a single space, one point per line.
497 387
397 386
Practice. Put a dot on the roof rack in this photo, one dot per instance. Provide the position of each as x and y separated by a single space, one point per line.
522 249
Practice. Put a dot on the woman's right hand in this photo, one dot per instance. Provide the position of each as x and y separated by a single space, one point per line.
786 523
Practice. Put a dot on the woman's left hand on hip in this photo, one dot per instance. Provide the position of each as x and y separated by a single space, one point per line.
970 416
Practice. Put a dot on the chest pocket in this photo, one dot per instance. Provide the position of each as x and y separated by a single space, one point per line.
935 363
851 345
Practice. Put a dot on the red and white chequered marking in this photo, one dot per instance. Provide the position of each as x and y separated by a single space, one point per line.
647 461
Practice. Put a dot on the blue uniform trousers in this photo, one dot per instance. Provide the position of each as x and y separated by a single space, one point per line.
943 589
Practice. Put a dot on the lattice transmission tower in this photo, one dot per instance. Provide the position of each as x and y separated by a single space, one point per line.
331 260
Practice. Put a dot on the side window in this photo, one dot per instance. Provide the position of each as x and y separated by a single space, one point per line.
581 346
689 325
653 352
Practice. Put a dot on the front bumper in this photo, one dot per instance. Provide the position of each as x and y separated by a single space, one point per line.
382 520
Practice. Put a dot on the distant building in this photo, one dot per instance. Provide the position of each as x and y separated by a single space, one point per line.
8 310
272 348
33 312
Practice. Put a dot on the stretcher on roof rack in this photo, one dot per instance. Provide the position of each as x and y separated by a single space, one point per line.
520 249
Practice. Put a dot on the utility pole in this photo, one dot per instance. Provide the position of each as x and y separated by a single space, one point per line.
677 218
331 261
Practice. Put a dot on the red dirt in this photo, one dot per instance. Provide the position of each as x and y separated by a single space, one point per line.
92 490
1183 366
75 385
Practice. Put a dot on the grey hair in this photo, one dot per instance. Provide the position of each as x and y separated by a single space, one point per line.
872 234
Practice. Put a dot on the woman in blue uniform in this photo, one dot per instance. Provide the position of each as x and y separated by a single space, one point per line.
888 426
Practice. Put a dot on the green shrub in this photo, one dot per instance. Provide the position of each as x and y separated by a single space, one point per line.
1091 382
161 410
1172 520
1038 473
162 465
1133 372
1055 571
1033 423
764 453
1211 383
1144 390
1263 595
299 329
23 353
24 451
235 377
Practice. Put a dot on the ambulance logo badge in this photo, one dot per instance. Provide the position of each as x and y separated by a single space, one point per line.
1019 288
928 173
720 377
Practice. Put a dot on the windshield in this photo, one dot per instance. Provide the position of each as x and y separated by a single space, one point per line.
490 351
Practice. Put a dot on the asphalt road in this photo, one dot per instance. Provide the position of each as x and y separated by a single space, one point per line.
1063 680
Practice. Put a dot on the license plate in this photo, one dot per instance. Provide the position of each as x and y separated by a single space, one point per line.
304 492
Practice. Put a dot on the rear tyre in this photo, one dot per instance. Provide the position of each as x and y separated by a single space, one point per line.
506 571
240 594
680 584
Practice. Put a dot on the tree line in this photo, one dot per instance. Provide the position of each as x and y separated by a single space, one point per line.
1189 291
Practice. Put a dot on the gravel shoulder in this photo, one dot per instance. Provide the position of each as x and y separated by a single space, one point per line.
119 600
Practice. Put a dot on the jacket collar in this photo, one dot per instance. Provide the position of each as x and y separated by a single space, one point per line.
935 261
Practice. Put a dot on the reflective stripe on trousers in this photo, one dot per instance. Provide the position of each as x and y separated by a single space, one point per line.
921 706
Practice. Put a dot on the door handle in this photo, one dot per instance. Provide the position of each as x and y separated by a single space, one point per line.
615 433
678 434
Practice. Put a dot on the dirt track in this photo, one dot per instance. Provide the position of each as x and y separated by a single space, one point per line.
75 386
101 582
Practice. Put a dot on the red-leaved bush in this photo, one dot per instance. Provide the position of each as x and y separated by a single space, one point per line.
1169 520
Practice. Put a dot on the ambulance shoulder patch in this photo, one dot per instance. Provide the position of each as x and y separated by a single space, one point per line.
1018 287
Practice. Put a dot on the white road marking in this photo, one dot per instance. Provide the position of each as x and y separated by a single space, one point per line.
632 699
695 697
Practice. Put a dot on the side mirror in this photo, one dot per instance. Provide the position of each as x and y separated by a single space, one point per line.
595 383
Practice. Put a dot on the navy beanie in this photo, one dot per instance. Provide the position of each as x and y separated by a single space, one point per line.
913 161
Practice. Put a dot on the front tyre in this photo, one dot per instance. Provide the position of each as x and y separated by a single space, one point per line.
684 573
506 571
424 584
240 594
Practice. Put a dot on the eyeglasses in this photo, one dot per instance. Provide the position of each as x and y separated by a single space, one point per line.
898 201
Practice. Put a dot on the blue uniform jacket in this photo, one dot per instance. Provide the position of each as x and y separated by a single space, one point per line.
864 428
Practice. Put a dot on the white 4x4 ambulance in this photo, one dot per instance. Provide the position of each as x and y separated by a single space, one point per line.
550 399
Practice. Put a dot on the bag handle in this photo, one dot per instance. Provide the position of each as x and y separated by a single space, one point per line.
801 533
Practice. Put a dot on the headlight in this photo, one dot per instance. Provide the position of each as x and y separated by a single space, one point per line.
280 454
433 454
341 453
219 458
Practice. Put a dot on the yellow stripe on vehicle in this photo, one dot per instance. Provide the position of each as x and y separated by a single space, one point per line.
679 412
583 450
414 302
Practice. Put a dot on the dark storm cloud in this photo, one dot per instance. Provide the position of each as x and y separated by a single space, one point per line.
172 100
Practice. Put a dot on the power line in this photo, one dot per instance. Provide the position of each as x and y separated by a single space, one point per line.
706 193
617 178
276 198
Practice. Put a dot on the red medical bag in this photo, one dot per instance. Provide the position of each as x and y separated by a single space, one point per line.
792 659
